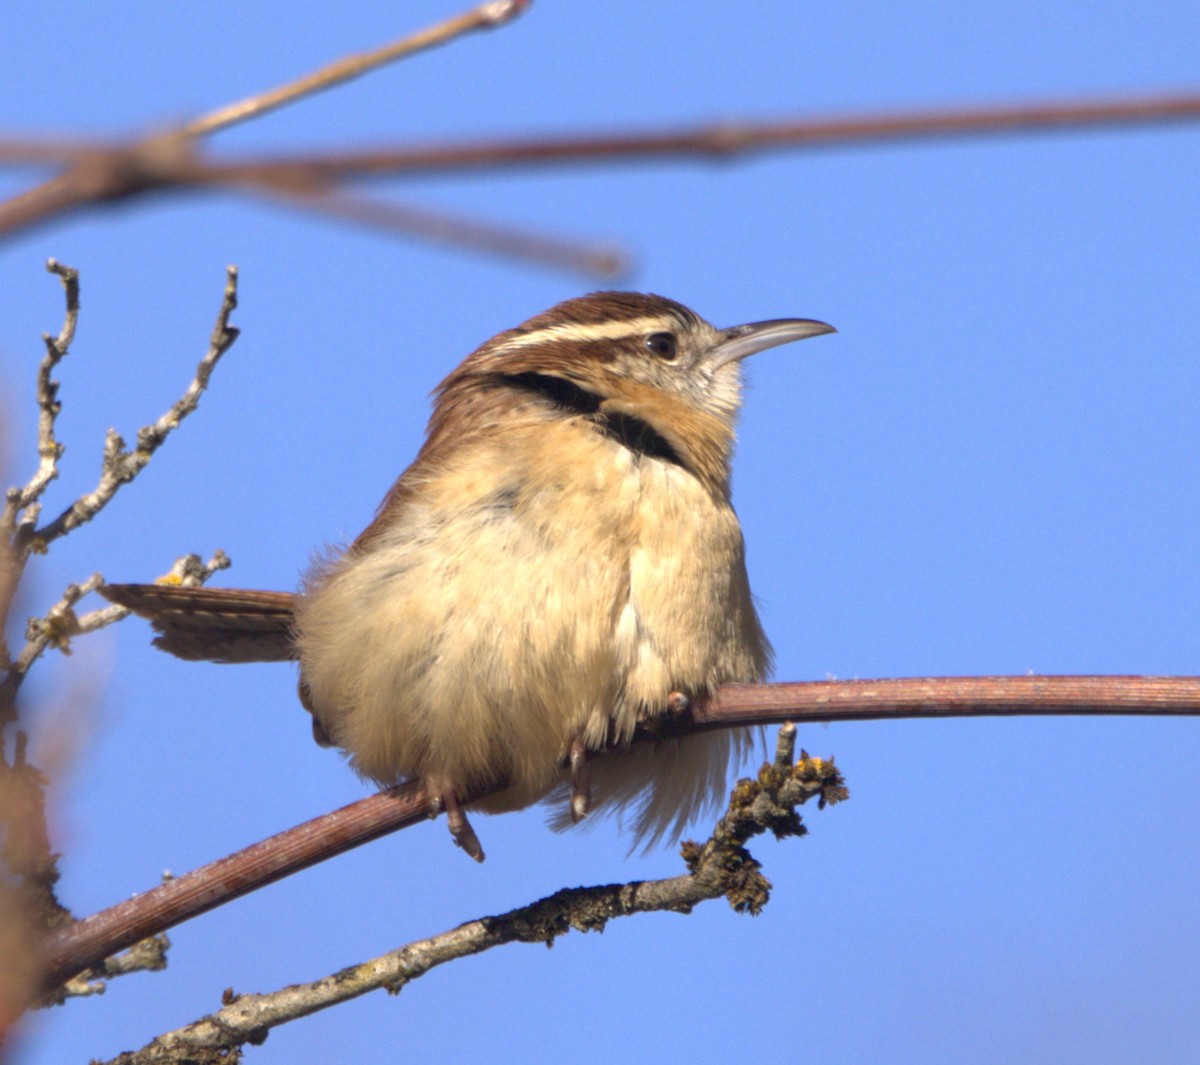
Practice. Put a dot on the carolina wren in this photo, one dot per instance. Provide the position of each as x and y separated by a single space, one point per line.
561 562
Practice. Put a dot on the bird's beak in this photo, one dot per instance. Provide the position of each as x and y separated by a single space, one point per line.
743 340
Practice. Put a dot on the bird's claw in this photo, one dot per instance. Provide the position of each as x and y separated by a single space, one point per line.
581 781
445 798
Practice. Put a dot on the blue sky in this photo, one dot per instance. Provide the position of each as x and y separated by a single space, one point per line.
989 470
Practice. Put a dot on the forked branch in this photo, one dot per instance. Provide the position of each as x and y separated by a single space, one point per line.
21 531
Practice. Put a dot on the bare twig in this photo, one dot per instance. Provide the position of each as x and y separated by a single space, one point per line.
120 466
19 531
166 159
23 502
720 867
29 861
484 17
47 150
94 938
30 865
55 629
187 570
148 956
106 174
440 228
704 141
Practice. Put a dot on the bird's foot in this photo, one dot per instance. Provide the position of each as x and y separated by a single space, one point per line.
581 781
444 797
678 703
674 719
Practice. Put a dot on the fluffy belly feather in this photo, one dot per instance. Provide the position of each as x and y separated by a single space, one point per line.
539 605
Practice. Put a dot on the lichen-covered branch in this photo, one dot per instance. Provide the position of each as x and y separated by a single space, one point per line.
721 866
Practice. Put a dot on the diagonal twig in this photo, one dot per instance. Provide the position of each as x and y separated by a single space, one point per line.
441 228
161 160
484 17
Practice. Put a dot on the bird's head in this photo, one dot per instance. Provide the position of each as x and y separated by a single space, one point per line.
639 366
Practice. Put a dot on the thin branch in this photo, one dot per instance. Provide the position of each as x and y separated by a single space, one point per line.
148 956
439 228
121 170
94 938
116 171
712 141
55 629
484 17
20 535
91 182
119 466
31 865
721 867
23 502
187 571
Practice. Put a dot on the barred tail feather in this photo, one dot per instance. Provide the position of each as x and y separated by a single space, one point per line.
213 624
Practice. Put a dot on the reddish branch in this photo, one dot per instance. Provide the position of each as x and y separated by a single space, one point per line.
714 141
98 173
73 949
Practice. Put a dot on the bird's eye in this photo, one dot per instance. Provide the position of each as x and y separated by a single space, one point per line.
664 345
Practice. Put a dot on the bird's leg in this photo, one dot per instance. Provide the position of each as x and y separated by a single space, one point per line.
581 780
444 797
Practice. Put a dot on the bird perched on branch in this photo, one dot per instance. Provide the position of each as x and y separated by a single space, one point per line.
560 564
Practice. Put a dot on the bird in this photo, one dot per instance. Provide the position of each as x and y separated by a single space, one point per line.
559 565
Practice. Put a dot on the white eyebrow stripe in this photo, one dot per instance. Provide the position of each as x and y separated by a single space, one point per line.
611 330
